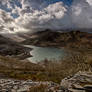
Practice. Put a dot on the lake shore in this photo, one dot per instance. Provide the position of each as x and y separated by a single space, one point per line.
41 53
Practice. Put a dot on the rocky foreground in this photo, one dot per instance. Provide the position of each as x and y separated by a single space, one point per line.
80 82
11 85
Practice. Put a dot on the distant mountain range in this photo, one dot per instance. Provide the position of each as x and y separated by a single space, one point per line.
71 39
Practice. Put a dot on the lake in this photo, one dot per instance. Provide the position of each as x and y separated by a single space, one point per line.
42 53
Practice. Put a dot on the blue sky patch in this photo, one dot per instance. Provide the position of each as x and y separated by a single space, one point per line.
14 3
67 2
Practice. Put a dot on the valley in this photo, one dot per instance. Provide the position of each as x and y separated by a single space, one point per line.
15 66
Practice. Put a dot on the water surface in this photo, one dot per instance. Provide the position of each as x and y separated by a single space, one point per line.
42 53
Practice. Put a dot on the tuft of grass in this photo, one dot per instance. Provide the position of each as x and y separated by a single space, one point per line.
39 88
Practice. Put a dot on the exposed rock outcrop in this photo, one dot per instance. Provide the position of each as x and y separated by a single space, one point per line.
80 82
11 48
11 85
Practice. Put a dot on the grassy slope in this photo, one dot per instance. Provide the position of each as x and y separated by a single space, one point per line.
49 71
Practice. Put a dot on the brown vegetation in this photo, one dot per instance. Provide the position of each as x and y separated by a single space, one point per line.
47 71
39 88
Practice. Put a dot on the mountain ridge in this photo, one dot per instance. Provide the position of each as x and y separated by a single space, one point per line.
72 39
9 47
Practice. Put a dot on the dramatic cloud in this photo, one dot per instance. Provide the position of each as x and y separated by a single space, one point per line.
82 13
52 17
31 15
5 21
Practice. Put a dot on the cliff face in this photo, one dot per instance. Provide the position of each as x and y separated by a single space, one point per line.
73 39
11 48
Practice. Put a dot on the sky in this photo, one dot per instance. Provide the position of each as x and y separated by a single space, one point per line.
67 2
32 15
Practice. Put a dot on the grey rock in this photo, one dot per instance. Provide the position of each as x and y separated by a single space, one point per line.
77 82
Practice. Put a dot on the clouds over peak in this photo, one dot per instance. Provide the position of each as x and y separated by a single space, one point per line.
82 13
30 15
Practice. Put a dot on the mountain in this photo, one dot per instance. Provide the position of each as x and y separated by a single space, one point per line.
11 48
72 39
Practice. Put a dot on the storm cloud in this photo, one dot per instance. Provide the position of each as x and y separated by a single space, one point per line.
31 15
